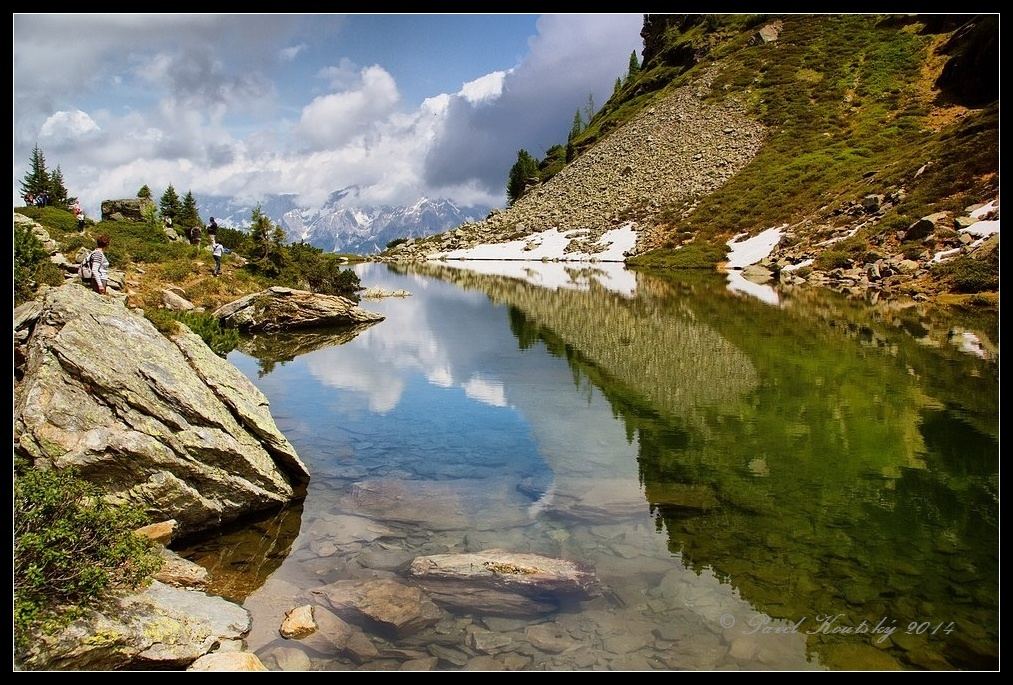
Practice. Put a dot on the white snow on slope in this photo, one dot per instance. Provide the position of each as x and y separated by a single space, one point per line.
982 229
796 267
985 209
752 250
551 244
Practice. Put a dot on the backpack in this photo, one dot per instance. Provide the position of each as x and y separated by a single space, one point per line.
84 268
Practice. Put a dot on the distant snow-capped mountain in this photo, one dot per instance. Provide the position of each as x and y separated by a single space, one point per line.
343 223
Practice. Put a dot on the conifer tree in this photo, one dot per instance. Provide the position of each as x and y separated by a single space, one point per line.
145 191
169 204
37 179
188 215
57 190
634 67
524 168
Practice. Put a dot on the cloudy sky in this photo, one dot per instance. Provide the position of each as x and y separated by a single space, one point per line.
253 105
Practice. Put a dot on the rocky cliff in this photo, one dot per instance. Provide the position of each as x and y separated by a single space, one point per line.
163 423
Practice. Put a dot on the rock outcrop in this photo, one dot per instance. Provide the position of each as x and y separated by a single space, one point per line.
160 627
128 209
162 423
278 308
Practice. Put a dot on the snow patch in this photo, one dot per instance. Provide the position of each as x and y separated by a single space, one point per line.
982 229
746 252
796 267
985 209
551 244
944 255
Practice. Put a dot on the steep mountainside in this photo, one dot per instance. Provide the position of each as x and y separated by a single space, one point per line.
845 131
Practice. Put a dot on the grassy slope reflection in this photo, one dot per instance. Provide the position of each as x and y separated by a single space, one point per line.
857 477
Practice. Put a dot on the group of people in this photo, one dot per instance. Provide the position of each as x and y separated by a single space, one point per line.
36 199
95 266
217 249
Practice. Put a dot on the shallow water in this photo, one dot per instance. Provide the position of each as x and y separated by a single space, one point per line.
796 482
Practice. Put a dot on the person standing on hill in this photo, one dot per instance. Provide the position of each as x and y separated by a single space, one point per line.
195 235
212 229
99 265
217 250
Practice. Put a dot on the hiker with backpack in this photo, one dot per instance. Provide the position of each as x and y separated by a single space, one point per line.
217 250
195 235
95 266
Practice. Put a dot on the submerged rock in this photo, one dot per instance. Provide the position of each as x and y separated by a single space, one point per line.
279 308
298 623
159 627
180 572
388 603
503 583
165 424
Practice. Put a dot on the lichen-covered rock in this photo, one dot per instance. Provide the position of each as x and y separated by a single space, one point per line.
159 627
279 308
165 424
180 572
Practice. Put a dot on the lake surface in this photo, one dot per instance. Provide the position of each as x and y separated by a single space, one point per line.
761 478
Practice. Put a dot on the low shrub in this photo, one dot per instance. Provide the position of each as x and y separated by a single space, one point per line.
71 548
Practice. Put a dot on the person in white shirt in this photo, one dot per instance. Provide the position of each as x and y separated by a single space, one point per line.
217 250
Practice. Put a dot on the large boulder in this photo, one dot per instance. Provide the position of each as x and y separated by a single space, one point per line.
523 573
160 627
128 209
163 423
279 308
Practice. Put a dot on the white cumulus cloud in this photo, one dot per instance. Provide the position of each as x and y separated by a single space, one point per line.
65 126
335 118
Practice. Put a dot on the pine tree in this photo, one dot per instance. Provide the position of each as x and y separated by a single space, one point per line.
524 168
57 190
188 216
145 191
169 204
37 179
634 67
618 86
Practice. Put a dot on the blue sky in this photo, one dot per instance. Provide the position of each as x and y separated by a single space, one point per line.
252 105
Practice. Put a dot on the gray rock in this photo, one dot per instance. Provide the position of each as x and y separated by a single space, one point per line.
528 574
392 605
423 664
487 641
452 656
962 222
165 424
757 274
908 266
549 637
769 33
291 659
872 203
279 308
128 209
159 627
172 300
926 225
